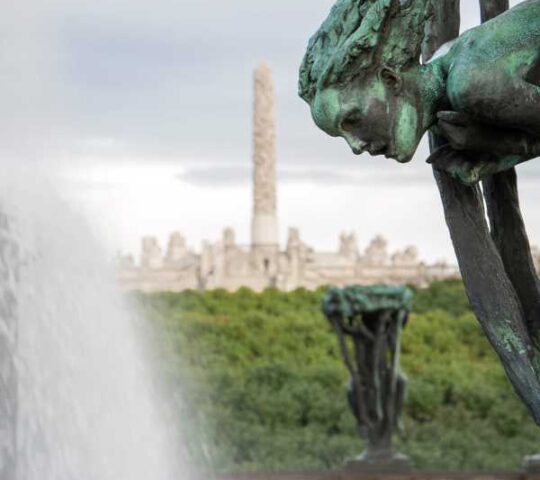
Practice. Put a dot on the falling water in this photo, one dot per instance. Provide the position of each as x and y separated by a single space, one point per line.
76 399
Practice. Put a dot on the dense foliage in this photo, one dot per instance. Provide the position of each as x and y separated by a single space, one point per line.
262 383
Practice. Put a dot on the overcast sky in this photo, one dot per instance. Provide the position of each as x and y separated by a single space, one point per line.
142 112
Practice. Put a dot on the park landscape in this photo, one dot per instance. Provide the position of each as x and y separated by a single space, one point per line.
265 364
362 79
264 383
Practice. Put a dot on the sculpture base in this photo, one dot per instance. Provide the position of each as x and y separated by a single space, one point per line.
384 462
531 464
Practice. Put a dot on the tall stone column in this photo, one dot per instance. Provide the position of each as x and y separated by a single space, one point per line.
264 229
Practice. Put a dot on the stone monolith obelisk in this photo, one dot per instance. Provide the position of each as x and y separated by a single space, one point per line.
264 229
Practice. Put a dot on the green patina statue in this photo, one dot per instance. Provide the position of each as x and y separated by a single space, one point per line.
479 96
373 318
363 80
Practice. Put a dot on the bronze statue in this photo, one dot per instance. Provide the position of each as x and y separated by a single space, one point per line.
373 318
479 96
363 81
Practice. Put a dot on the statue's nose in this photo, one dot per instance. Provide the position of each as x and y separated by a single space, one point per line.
358 146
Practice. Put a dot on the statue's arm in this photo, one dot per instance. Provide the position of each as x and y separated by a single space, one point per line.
464 133
469 168
477 150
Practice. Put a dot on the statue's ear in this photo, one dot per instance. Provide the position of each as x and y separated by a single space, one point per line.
391 79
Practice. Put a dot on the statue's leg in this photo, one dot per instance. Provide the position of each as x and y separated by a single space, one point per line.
502 200
489 289
510 237
491 8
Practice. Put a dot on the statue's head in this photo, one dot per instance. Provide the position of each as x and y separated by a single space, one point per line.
355 75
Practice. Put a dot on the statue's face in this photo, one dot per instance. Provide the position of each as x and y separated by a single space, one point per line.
371 117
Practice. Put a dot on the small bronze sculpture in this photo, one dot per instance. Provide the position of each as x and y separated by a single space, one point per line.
373 318
479 96
363 81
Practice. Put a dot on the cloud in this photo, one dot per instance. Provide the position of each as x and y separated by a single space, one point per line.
161 79
213 175
168 83
31 110
373 172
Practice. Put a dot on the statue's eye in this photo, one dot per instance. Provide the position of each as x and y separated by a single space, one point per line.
351 121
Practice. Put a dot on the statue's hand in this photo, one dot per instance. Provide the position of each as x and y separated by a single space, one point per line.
476 150
457 164
462 132
470 153
465 133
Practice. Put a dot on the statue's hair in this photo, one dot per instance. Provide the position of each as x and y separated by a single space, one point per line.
361 35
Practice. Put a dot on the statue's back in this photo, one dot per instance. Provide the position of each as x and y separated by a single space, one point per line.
493 69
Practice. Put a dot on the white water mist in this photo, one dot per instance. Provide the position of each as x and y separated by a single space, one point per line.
85 405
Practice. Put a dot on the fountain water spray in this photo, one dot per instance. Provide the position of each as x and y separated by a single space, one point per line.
76 396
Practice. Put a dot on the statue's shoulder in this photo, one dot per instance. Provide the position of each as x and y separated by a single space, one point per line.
493 56
514 31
